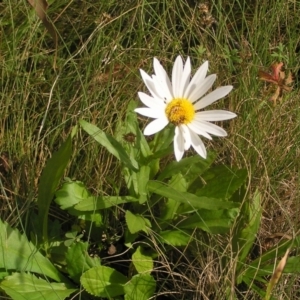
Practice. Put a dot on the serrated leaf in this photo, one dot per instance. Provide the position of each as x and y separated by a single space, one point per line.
111 144
94 203
17 253
78 260
29 287
222 182
194 201
136 223
140 287
175 237
103 282
142 262
70 194
49 180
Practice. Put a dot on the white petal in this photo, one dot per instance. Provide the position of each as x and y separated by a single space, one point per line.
197 78
186 135
150 112
213 96
156 126
198 130
198 145
216 115
202 88
163 78
150 84
162 89
209 127
177 76
185 77
152 102
178 144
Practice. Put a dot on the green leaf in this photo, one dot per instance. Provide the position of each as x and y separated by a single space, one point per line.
70 194
256 266
212 221
29 287
132 126
49 181
95 217
132 122
222 182
292 266
142 262
189 167
170 206
137 223
184 197
79 261
163 139
111 145
94 203
247 228
103 282
140 287
175 237
17 253
142 180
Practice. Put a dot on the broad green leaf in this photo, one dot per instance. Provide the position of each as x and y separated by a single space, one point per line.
141 142
3 275
194 201
140 287
17 253
137 223
94 203
212 221
49 181
190 167
170 206
247 228
175 237
159 154
142 262
79 261
29 287
143 178
131 126
163 139
95 217
111 145
131 180
222 182
103 282
293 265
70 194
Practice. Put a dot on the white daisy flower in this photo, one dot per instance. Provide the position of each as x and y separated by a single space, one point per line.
180 101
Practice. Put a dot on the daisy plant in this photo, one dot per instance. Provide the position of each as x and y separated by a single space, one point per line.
158 204
180 102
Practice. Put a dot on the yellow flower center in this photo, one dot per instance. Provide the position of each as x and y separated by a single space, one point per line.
180 111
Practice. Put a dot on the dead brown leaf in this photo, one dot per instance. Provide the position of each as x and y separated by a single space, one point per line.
278 78
41 7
